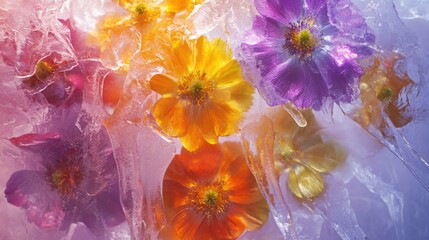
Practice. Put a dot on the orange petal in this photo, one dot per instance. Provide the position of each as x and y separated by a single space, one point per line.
185 224
163 84
252 216
175 197
224 228
171 116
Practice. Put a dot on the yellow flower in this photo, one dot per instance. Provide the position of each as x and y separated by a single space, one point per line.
119 35
203 93
175 6
211 194
380 89
299 152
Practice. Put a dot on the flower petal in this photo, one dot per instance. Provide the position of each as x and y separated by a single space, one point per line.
172 116
253 216
284 11
300 83
193 139
324 157
32 139
224 228
268 54
186 223
304 182
163 84
28 190
228 75
183 59
268 27
110 207
212 56
339 79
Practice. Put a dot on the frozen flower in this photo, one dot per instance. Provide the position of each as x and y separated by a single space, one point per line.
383 89
175 6
211 194
62 185
307 50
119 35
203 92
299 152
56 80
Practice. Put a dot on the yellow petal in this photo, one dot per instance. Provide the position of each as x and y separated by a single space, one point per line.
163 84
324 157
183 59
171 116
292 183
228 75
192 140
222 118
212 55
310 183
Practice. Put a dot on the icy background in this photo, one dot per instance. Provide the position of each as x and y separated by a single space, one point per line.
372 196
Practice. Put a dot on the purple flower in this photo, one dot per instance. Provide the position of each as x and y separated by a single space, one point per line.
306 50
70 178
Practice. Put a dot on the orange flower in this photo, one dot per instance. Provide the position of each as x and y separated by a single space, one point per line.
299 152
203 93
211 194
380 90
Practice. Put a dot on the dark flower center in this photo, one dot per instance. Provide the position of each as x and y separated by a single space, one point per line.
196 88
65 176
385 93
209 199
301 38
140 9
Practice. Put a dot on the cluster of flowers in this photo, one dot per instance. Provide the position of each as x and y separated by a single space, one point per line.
302 56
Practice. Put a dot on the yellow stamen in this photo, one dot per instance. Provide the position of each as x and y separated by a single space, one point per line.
209 199
196 88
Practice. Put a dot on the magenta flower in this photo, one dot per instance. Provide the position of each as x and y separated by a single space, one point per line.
64 184
307 50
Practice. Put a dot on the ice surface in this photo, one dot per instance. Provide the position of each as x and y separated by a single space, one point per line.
142 156
373 195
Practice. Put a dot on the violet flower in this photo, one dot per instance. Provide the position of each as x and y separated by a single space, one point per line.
63 185
307 51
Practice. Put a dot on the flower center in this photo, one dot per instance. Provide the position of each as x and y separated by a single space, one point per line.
196 88
301 38
65 176
209 199
43 70
140 9
385 93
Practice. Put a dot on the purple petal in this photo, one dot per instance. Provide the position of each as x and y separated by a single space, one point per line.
339 78
350 22
108 202
268 27
28 190
314 6
268 55
283 11
298 82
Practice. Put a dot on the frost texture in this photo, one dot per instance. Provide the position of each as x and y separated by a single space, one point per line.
372 196
142 156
